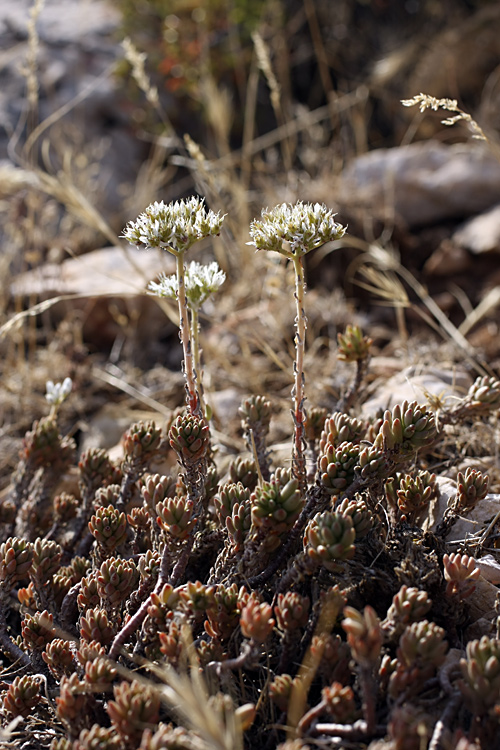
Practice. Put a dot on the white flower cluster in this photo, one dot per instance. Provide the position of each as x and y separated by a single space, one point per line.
175 226
303 225
56 393
201 281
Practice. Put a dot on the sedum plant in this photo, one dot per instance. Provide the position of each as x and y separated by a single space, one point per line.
201 281
175 228
293 231
201 607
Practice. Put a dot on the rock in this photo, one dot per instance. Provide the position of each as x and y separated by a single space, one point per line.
490 568
123 270
423 183
109 286
412 384
480 234
467 525
76 55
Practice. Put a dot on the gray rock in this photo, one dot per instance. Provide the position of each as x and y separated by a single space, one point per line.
412 384
423 183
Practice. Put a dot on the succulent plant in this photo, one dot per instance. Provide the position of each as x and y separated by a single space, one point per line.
276 505
329 539
22 695
481 674
364 635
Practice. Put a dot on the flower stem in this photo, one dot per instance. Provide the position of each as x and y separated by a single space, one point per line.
299 461
189 372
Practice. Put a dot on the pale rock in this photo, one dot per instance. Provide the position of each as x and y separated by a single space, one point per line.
112 271
412 384
481 234
423 183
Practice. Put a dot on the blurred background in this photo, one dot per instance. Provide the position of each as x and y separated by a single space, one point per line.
108 105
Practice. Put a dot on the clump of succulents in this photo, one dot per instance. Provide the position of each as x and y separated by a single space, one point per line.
258 604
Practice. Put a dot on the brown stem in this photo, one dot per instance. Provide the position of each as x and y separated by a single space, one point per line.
299 461
136 620
345 403
369 698
309 717
189 372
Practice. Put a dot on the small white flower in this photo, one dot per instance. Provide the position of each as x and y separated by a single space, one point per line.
303 225
200 281
56 393
174 227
